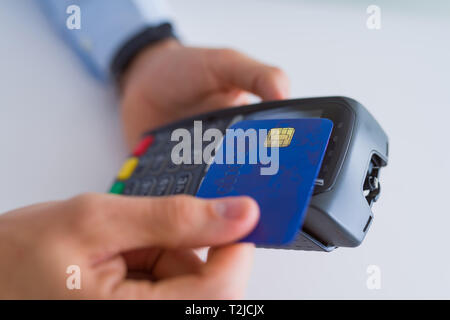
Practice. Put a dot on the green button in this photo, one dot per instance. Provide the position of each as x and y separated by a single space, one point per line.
117 188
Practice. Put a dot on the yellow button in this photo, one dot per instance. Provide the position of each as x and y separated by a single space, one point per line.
127 169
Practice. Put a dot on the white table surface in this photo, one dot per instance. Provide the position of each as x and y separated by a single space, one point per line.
60 132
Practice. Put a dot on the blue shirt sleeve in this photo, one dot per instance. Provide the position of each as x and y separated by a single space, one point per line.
105 26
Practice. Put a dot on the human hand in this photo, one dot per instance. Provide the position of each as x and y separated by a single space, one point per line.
127 248
169 81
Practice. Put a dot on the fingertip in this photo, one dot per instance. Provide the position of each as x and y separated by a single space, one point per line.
241 208
230 266
274 85
233 68
252 209
241 100
232 250
239 217
285 85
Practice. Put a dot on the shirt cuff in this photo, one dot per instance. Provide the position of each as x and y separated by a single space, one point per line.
106 27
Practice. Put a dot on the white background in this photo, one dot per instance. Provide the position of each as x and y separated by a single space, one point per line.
60 133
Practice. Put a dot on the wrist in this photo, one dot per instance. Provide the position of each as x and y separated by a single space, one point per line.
146 54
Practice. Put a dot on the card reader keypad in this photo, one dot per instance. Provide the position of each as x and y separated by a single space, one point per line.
150 170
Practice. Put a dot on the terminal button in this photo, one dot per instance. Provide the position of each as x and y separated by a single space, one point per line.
117 188
131 188
158 163
182 183
146 187
127 169
143 146
163 186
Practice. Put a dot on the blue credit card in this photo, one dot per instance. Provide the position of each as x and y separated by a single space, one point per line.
278 169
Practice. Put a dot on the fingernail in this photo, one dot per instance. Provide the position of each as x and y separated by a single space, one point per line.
232 208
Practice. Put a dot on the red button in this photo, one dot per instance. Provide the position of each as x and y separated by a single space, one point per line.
142 147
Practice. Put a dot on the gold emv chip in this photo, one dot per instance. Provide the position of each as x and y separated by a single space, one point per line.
279 137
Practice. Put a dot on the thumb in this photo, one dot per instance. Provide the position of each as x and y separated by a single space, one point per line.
173 222
233 68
